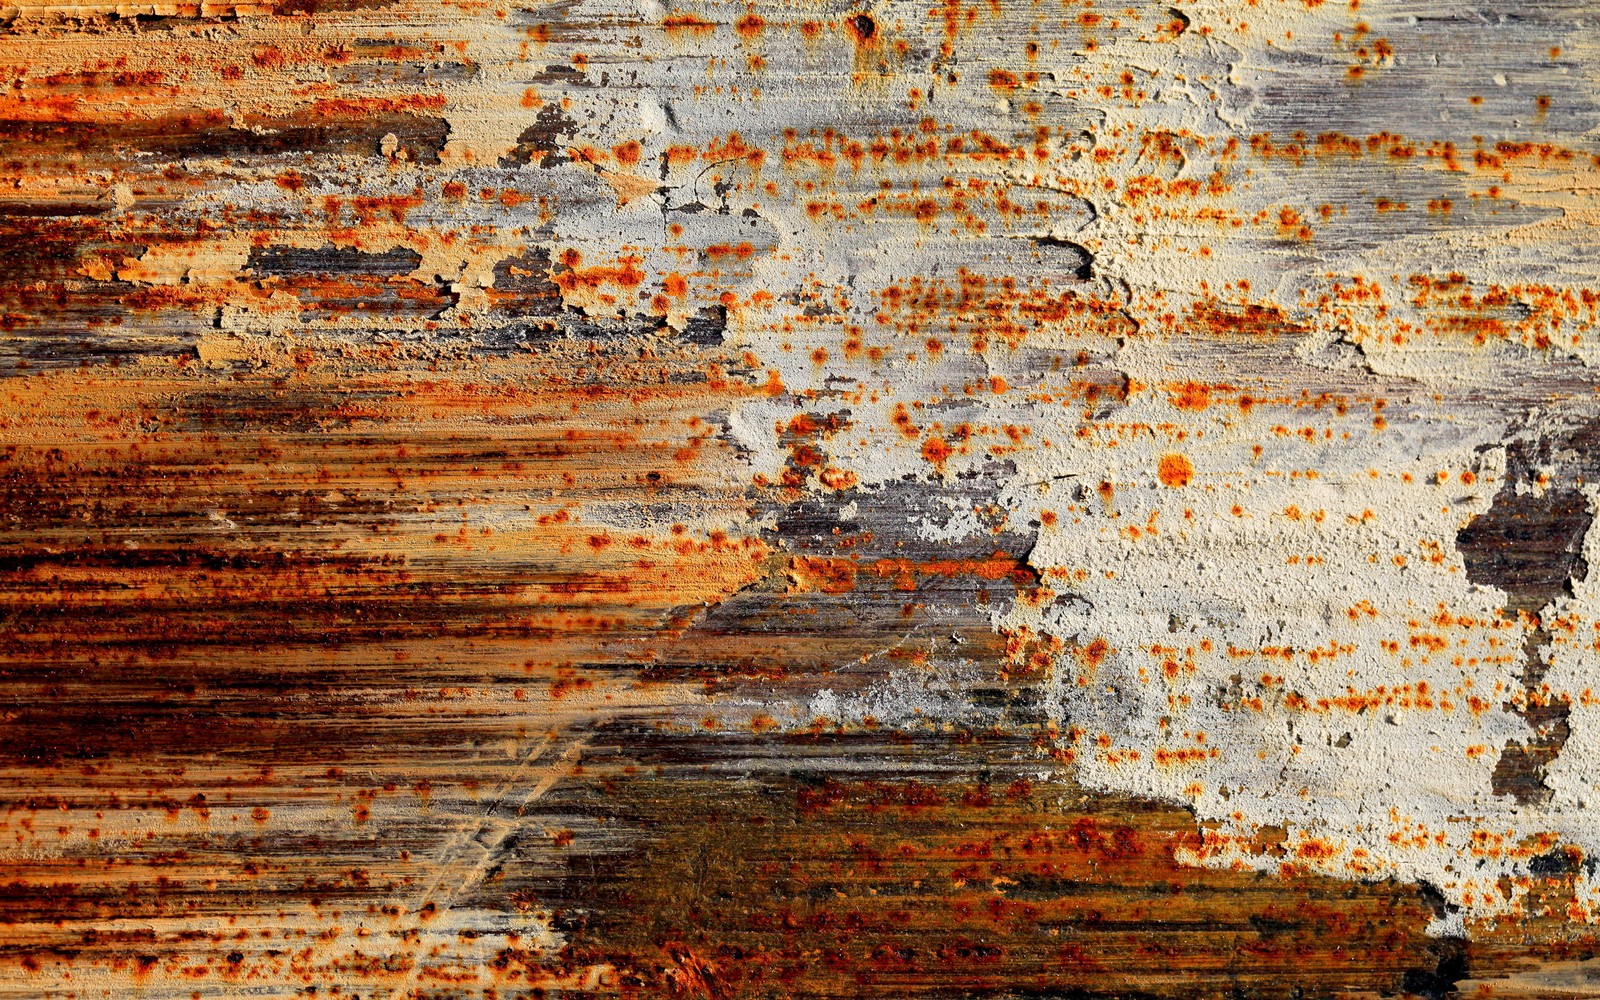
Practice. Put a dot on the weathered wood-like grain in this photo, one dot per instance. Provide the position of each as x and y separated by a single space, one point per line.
799 498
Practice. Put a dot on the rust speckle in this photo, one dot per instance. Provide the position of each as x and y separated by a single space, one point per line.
1175 470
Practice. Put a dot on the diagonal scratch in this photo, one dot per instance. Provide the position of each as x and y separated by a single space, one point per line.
454 869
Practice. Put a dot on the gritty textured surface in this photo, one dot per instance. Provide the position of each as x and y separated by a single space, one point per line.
992 499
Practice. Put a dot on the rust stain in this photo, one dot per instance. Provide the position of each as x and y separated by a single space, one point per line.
779 499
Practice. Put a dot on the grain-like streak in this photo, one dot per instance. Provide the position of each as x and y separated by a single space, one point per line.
461 876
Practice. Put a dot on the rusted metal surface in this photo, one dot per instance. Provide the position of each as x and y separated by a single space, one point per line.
798 499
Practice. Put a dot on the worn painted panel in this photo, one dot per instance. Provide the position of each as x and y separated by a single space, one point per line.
799 499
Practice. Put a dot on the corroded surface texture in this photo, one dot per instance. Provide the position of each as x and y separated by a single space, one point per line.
799 499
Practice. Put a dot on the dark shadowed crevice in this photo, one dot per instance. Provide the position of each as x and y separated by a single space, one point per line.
1078 259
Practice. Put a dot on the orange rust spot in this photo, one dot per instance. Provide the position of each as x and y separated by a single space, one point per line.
626 273
1316 850
937 450
838 479
862 28
1003 80
1192 396
1290 224
1175 470
687 23
750 26
1095 653
627 153
829 576
269 57
681 156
